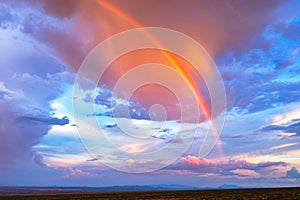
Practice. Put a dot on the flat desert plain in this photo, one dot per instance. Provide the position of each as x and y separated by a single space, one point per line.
264 193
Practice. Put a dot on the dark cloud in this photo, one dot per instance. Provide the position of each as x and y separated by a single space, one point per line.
105 98
292 128
218 25
264 76
52 34
261 96
17 140
44 21
60 9
90 26
273 128
293 173
93 159
212 23
111 126
43 120
31 78
38 159
135 111
19 134
165 133
165 130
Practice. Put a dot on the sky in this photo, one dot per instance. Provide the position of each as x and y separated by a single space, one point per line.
210 95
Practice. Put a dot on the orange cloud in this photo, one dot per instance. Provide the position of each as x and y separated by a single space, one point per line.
193 160
217 25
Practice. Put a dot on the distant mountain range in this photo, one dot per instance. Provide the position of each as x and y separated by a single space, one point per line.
58 189
225 186
149 187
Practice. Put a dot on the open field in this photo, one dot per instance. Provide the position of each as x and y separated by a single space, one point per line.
269 193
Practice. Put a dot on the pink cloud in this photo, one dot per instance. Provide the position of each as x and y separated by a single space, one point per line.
62 167
193 160
223 167
74 172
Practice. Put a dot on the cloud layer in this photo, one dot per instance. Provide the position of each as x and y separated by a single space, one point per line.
254 44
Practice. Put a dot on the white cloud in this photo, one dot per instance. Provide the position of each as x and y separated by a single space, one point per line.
287 114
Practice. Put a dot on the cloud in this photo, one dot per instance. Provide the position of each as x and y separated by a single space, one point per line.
39 159
43 22
265 76
45 38
31 77
87 29
110 106
20 133
7 19
111 126
223 168
166 133
247 173
9 94
218 18
290 113
43 120
291 128
71 172
293 173
51 34
104 97
60 9
193 160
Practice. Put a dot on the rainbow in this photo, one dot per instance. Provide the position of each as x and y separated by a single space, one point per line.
192 84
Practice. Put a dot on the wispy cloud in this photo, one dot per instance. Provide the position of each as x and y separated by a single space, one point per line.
294 128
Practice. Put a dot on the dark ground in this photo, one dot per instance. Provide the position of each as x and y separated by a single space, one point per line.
269 193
